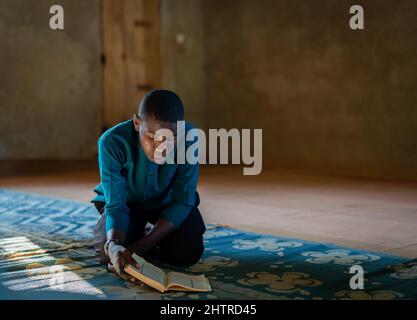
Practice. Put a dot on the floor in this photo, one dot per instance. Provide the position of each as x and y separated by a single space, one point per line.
363 214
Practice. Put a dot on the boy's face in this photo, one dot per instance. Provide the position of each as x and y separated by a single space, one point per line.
147 128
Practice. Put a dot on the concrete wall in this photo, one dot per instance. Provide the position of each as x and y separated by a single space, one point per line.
183 55
329 99
50 80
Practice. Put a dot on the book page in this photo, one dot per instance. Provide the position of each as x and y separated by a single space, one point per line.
149 270
180 281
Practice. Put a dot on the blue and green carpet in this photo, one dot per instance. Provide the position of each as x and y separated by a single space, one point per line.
46 253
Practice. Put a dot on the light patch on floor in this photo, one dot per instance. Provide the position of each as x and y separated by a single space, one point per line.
38 276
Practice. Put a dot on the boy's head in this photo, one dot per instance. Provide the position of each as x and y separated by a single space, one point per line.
159 109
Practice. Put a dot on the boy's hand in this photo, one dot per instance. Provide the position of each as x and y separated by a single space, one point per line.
141 247
119 257
161 229
124 275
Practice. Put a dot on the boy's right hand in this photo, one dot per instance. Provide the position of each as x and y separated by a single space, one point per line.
120 257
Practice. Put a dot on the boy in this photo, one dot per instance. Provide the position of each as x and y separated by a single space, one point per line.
135 190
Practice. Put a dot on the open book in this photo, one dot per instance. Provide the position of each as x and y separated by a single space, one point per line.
156 278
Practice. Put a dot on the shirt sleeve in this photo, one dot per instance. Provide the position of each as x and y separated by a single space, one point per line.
114 185
183 194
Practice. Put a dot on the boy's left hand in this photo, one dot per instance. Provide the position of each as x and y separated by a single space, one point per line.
161 229
141 247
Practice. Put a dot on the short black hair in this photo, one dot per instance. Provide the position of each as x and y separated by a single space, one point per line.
163 105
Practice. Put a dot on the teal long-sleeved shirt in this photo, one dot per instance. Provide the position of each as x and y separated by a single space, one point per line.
129 177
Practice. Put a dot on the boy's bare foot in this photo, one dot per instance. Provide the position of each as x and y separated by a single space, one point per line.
100 254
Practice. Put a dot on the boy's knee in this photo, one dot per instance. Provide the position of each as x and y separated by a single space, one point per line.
184 255
192 257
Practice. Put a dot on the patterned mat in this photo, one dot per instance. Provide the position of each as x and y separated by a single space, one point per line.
45 253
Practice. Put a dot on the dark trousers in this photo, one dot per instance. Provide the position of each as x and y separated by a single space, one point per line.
182 247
